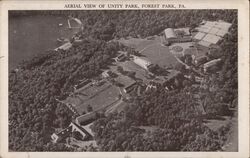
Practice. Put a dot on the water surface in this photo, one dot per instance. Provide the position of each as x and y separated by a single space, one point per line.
31 35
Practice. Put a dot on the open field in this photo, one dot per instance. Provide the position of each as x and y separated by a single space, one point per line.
159 54
188 48
95 96
184 46
132 42
153 50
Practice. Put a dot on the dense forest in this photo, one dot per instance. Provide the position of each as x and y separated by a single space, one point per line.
33 90
176 126
34 111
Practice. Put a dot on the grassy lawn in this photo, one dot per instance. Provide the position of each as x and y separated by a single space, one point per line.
132 42
153 50
160 55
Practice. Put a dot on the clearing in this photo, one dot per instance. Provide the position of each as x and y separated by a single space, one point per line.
153 50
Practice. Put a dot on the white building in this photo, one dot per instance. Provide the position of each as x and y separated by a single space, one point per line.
57 137
210 64
106 74
142 62
170 34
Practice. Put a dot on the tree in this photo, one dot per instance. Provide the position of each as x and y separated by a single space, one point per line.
89 108
120 69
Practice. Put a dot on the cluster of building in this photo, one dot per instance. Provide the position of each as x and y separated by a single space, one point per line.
176 35
208 33
72 129
211 32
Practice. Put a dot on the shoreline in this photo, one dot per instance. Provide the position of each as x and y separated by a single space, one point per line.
68 45
64 46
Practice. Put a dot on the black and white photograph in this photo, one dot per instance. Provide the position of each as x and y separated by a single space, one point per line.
128 79
123 80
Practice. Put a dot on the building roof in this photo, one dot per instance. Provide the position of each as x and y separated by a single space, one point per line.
213 27
106 72
204 43
204 28
221 33
120 55
141 62
88 129
214 30
86 117
212 62
211 38
218 24
224 25
199 35
185 30
209 23
65 132
169 33
81 128
125 80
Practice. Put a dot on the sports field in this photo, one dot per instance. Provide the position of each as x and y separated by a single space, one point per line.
95 96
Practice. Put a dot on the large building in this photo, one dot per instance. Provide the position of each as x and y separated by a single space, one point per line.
121 56
170 34
210 64
82 83
67 132
86 118
211 32
177 35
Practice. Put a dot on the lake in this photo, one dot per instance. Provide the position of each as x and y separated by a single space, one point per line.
31 35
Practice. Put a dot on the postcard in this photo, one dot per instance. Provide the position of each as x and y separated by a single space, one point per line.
124 79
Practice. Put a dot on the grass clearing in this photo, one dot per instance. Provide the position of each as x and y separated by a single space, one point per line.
153 50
